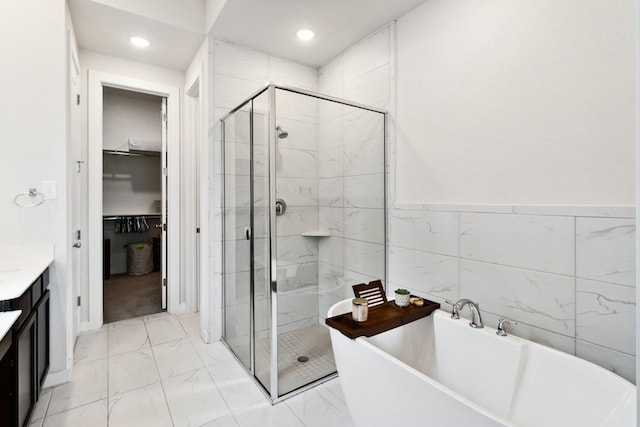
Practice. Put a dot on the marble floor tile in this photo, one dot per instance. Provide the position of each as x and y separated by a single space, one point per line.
144 406
129 337
125 389
194 399
91 347
318 407
126 323
228 421
211 353
93 414
264 414
164 328
88 384
235 385
335 387
176 357
191 323
131 370
41 407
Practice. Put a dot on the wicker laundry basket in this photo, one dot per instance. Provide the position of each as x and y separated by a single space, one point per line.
139 258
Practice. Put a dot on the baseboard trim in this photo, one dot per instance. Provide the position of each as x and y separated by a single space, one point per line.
56 378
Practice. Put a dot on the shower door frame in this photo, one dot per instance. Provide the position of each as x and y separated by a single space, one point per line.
271 88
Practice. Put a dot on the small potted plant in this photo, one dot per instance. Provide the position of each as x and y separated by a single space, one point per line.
402 297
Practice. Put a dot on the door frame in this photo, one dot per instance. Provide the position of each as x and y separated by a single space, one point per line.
194 117
77 205
94 290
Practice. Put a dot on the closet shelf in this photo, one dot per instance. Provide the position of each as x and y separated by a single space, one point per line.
316 234
130 153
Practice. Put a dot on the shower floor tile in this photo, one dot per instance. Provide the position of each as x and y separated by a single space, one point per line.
312 342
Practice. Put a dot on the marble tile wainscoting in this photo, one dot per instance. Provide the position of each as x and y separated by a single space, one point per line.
566 274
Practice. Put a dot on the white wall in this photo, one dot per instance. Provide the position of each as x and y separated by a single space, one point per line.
194 176
34 142
565 273
90 60
130 115
517 103
503 114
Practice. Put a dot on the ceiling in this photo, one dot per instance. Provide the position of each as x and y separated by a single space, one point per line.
177 28
271 25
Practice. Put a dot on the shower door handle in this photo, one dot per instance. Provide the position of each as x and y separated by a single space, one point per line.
247 233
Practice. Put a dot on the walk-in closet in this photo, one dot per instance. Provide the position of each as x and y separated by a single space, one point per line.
132 204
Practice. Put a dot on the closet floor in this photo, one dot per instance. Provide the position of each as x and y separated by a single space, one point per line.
126 297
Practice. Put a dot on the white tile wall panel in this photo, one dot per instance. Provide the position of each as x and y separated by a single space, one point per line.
366 55
428 273
541 299
619 363
365 225
606 314
605 250
364 191
540 243
237 61
435 232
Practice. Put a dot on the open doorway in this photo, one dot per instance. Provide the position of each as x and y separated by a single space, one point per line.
133 135
132 204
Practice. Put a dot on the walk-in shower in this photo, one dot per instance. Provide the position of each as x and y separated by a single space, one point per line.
304 220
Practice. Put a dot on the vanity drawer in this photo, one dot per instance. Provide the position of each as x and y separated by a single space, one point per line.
36 290
23 303
45 280
5 343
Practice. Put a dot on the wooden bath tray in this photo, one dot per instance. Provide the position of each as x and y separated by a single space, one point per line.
381 319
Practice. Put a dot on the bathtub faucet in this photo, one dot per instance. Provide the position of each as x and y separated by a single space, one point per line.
476 318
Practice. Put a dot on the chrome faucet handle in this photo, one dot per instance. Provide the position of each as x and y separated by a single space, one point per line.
455 314
501 329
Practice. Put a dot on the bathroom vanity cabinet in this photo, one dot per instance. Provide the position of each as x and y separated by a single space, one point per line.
24 352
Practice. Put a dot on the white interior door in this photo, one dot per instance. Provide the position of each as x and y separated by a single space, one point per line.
164 204
76 164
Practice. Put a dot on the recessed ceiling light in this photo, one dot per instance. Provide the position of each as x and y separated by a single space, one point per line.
305 34
139 42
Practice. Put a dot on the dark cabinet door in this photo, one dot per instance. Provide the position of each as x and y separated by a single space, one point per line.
25 368
7 382
42 350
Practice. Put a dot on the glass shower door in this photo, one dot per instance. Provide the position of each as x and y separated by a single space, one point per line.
261 242
237 233
246 225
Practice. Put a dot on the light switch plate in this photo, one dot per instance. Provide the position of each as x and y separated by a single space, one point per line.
50 190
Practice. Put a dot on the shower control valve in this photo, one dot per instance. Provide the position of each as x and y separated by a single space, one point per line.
281 207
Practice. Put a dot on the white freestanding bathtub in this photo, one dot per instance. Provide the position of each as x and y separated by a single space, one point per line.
438 371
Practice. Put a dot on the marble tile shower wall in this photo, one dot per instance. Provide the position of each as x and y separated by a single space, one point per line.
566 275
297 185
238 73
351 173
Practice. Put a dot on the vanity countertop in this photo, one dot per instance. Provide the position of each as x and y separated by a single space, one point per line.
7 319
20 266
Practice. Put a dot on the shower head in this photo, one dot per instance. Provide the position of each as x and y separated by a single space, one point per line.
282 134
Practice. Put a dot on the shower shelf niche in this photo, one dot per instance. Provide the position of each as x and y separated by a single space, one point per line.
316 234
